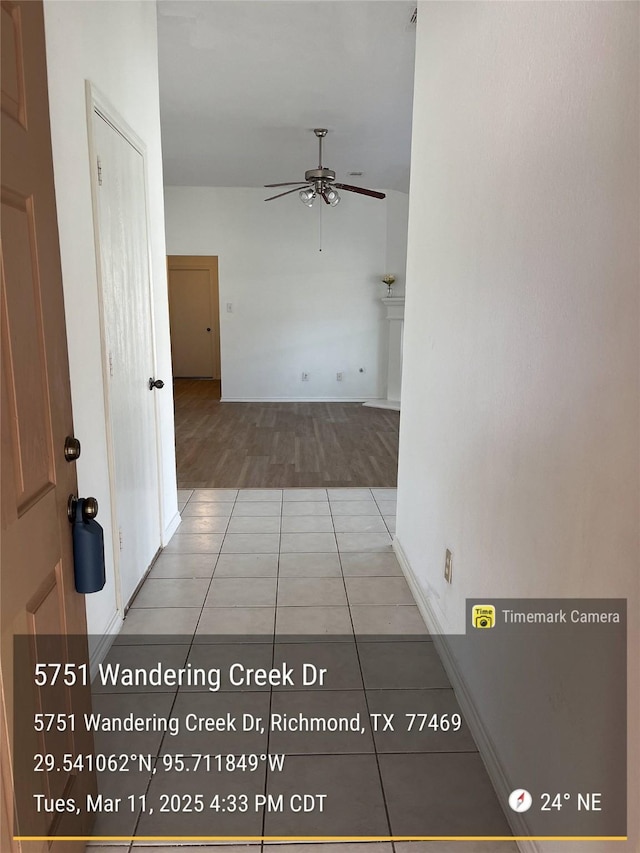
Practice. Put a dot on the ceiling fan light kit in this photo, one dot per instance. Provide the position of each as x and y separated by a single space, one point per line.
320 182
332 197
307 196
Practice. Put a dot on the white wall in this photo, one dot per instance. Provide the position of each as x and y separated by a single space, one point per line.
114 46
397 230
295 308
519 431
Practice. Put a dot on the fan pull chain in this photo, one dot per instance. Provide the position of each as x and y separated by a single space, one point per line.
320 227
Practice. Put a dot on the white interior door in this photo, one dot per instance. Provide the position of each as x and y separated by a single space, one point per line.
129 351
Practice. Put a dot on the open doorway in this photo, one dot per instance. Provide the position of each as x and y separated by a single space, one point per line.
194 316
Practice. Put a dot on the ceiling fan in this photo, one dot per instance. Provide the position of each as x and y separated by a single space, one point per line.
320 182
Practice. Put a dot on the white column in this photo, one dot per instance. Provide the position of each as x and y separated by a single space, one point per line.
394 308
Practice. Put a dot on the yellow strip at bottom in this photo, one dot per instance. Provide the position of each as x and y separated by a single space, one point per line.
320 838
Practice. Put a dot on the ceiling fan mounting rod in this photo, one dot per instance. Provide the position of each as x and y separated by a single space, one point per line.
320 132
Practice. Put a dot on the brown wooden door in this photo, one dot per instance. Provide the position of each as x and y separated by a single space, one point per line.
194 316
37 591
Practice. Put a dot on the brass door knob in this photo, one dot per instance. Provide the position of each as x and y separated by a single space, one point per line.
89 508
71 448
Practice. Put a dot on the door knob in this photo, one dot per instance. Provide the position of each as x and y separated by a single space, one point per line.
155 383
71 448
89 508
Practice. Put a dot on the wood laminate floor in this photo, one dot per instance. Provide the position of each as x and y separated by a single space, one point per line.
280 445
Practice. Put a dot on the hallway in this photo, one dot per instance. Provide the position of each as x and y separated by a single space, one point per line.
304 573
513 139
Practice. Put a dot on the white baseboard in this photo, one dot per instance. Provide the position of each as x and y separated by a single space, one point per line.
294 399
105 642
170 529
483 739
392 405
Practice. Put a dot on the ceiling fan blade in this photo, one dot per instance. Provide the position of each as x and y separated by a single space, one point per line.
300 187
289 184
360 190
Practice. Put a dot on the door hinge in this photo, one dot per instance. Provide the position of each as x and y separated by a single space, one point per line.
120 537
110 365
99 172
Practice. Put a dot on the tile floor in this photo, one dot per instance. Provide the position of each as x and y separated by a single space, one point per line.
277 568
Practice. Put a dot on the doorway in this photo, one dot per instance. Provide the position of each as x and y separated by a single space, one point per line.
194 316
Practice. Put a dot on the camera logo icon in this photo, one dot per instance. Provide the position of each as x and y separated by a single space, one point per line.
483 616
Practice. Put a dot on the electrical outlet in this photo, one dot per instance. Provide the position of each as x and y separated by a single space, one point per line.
448 566
340 376
305 376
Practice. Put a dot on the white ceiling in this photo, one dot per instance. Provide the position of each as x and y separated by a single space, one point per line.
243 82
